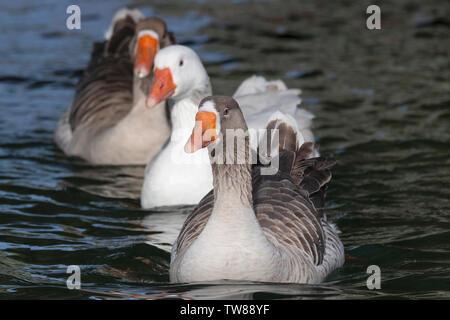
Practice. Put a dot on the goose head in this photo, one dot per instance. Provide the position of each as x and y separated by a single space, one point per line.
178 74
150 35
215 117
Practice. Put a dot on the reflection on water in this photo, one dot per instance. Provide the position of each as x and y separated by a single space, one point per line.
166 223
381 103
110 182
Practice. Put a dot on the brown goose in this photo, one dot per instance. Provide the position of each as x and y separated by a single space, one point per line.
253 226
108 121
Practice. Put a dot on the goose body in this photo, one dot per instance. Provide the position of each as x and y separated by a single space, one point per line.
172 177
108 122
259 227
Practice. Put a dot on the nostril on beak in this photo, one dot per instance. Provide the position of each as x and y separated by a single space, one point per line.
140 72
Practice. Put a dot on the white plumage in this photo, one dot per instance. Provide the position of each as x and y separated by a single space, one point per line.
171 178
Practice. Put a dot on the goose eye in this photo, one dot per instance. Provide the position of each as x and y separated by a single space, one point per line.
181 63
226 111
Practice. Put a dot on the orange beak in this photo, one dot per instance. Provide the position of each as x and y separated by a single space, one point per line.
204 132
162 88
144 56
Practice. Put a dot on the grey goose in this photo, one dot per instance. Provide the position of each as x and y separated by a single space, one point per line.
251 226
108 122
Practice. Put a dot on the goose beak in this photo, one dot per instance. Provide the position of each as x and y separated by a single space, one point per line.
144 56
162 87
204 132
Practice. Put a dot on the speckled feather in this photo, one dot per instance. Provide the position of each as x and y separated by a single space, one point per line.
284 209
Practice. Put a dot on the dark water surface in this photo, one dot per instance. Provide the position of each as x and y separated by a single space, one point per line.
382 105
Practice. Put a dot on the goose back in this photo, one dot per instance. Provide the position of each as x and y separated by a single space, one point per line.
104 93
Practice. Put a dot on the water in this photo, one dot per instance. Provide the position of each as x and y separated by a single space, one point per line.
382 106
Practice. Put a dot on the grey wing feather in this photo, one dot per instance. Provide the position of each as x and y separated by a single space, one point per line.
105 95
104 92
194 224
287 216
285 207
312 175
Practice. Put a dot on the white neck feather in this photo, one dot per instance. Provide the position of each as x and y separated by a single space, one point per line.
184 110
183 119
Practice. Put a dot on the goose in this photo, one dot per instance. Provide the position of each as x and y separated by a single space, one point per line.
256 227
174 177
108 122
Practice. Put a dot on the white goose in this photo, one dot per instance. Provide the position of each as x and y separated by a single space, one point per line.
174 177
108 122
252 226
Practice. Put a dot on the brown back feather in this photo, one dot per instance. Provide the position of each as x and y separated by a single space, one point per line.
311 175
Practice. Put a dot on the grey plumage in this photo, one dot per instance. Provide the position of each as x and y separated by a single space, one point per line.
289 209
107 83
107 122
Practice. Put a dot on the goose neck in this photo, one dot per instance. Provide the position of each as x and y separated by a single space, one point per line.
141 86
183 118
232 176
183 113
